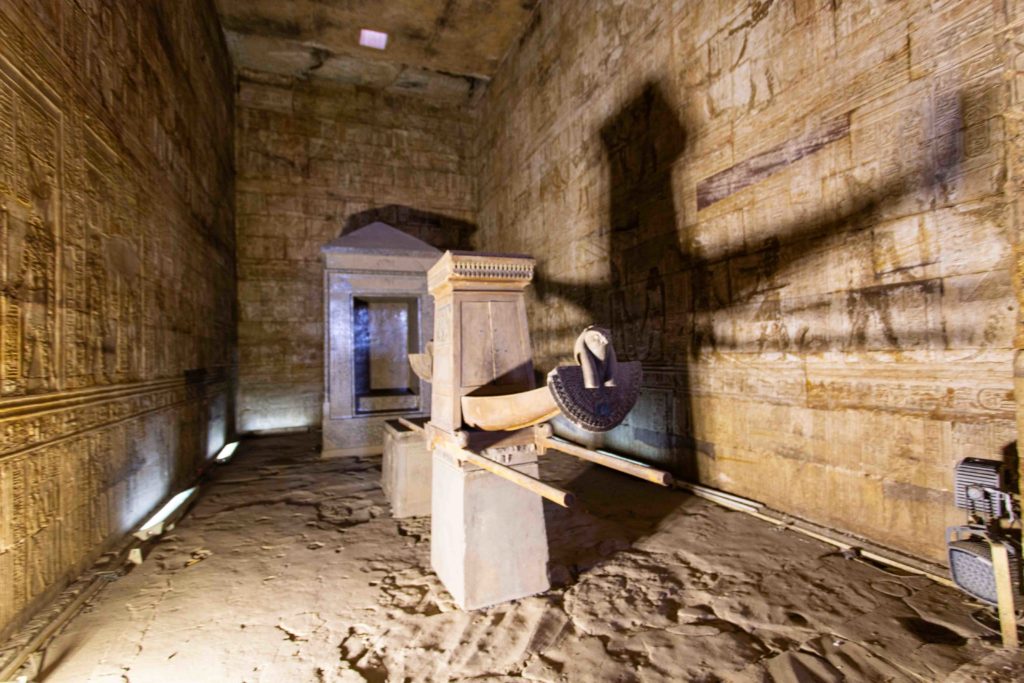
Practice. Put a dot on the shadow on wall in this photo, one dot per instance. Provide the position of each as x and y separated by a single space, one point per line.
665 294
437 230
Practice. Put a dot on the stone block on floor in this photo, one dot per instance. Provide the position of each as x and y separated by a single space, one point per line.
489 542
406 477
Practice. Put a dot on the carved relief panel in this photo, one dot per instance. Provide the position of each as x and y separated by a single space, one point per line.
31 132
110 322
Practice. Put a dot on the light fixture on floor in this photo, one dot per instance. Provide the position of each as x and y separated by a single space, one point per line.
226 453
155 525
980 489
984 555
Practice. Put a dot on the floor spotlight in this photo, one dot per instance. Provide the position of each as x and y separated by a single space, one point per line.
227 452
155 525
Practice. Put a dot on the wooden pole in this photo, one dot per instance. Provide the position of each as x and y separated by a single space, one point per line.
650 474
1004 593
556 495
410 425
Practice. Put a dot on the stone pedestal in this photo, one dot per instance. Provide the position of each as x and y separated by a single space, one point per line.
488 542
488 539
406 470
377 312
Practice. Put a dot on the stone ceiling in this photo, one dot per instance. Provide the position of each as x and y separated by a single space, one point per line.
438 47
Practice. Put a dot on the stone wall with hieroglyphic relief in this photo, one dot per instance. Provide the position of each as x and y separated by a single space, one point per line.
116 274
794 214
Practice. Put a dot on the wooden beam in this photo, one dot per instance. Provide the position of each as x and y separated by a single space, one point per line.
410 425
1004 593
610 461
556 495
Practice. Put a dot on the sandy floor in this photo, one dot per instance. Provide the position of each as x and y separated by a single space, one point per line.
290 568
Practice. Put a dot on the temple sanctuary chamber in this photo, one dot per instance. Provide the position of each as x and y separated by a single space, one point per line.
517 340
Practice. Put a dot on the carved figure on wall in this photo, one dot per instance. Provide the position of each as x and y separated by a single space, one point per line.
113 283
28 228
29 302
37 296
95 285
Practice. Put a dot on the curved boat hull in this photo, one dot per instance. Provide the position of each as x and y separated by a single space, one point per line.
509 412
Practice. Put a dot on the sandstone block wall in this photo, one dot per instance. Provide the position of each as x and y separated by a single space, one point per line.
314 160
793 213
116 274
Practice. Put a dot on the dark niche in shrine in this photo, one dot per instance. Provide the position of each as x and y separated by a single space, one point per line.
385 331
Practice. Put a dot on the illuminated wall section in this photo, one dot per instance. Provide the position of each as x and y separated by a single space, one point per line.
116 275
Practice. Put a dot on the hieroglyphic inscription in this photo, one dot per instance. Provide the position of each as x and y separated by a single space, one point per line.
960 401
30 212
933 391
35 428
